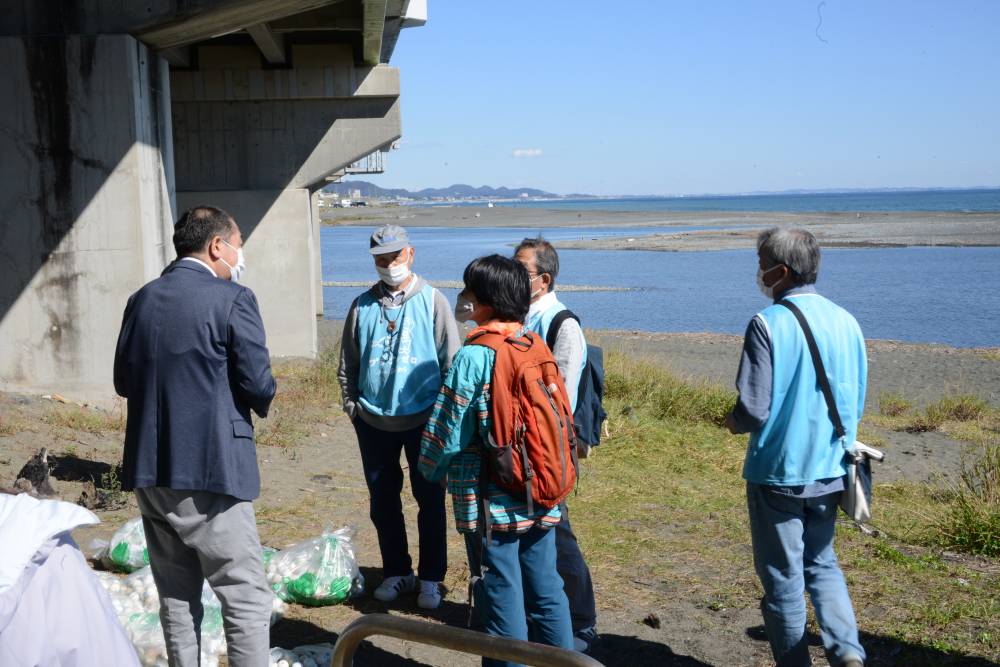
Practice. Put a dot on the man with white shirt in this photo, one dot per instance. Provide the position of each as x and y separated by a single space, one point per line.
192 361
570 351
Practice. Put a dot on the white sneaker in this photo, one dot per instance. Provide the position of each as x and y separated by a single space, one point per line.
430 595
392 587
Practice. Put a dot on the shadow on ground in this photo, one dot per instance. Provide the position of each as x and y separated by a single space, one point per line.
290 633
70 468
450 613
890 652
622 651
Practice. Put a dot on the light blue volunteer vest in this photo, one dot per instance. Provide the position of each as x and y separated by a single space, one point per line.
797 444
540 322
399 373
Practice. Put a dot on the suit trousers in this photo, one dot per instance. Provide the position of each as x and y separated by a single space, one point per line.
197 535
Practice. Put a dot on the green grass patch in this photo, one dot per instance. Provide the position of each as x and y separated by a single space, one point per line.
957 408
308 392
661 513
948 414
893 405
642 384
974 523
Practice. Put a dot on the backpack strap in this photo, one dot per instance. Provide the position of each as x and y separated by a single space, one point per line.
821 378
556 324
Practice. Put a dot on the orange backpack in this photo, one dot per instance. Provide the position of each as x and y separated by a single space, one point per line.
532 448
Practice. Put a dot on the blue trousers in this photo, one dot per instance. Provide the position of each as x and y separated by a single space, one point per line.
793 553
384 476
521 586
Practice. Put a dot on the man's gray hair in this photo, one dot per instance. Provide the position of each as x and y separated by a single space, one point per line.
546 257
794 247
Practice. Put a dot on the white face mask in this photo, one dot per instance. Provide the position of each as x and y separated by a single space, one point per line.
540 290
764 289
464 309
236 272
394 275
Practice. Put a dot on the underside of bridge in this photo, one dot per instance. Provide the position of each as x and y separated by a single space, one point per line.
120 115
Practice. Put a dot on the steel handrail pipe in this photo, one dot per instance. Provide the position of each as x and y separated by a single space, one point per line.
455 639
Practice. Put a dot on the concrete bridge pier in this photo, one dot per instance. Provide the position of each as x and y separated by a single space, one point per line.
258 141
86 205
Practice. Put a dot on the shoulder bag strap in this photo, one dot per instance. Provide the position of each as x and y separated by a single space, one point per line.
824 381
553 333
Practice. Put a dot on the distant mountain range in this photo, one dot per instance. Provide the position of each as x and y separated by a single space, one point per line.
462 191
457 191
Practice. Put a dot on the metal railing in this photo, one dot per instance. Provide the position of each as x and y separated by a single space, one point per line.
455 639
373 163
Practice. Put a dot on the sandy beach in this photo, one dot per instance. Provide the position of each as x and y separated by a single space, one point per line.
730 230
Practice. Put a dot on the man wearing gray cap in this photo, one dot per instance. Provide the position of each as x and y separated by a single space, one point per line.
398 342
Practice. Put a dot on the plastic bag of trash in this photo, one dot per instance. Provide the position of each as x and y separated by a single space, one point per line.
317 572
311 655
145 631
127 550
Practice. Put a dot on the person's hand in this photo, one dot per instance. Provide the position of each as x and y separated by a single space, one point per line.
731 424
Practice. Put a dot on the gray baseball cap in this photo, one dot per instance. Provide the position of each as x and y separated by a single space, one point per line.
388 238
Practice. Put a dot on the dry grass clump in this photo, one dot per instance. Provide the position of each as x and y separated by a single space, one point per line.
89 420
308 392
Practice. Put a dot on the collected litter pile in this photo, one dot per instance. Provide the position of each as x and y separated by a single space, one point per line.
312 655
317 572
137 604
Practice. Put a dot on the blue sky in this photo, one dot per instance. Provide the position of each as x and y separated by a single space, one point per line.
691 97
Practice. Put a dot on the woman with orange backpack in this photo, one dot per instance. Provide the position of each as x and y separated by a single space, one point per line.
506 497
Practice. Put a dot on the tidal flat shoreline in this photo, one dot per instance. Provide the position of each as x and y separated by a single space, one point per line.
728 230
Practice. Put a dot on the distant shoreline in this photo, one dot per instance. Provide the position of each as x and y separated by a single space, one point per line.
728 230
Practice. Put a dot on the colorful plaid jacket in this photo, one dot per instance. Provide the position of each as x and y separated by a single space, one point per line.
456 430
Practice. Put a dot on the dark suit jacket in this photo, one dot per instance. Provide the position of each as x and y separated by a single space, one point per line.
193 362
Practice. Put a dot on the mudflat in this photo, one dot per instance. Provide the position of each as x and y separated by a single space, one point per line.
726 230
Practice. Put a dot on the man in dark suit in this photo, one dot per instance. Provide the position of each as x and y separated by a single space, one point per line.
193 363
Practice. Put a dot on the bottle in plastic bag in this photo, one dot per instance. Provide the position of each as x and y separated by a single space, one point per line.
127 550
317 572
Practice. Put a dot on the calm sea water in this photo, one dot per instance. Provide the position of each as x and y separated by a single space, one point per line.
923 200
938 295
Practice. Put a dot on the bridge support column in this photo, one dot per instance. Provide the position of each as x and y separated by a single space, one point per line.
85 203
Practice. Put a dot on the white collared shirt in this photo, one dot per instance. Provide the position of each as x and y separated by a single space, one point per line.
198 261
